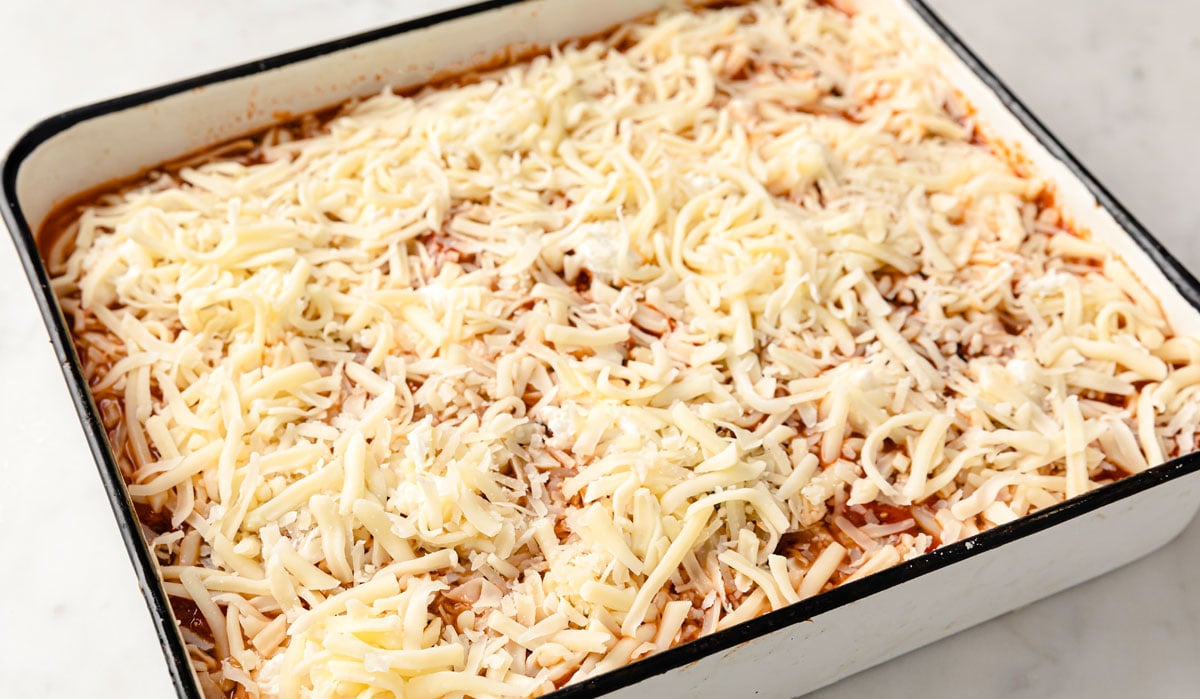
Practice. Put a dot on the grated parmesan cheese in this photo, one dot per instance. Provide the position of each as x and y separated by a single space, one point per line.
498 386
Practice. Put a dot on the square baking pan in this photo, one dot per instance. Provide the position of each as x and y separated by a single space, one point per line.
779 654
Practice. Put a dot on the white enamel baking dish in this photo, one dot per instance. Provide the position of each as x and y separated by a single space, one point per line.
782 654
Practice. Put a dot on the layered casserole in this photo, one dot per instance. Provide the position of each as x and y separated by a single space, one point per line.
500 384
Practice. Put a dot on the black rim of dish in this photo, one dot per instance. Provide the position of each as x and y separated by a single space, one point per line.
169 636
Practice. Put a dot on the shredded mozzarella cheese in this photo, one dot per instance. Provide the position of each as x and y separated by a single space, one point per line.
502 385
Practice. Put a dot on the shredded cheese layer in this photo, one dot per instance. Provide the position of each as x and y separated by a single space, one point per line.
499 386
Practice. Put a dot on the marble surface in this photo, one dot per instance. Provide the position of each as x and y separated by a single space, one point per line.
1119 82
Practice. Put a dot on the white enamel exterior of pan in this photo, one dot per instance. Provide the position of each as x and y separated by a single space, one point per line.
782 654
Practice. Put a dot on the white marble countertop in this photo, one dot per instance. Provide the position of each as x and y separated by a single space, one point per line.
1119 82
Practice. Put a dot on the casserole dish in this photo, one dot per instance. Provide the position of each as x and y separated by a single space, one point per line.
835 617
